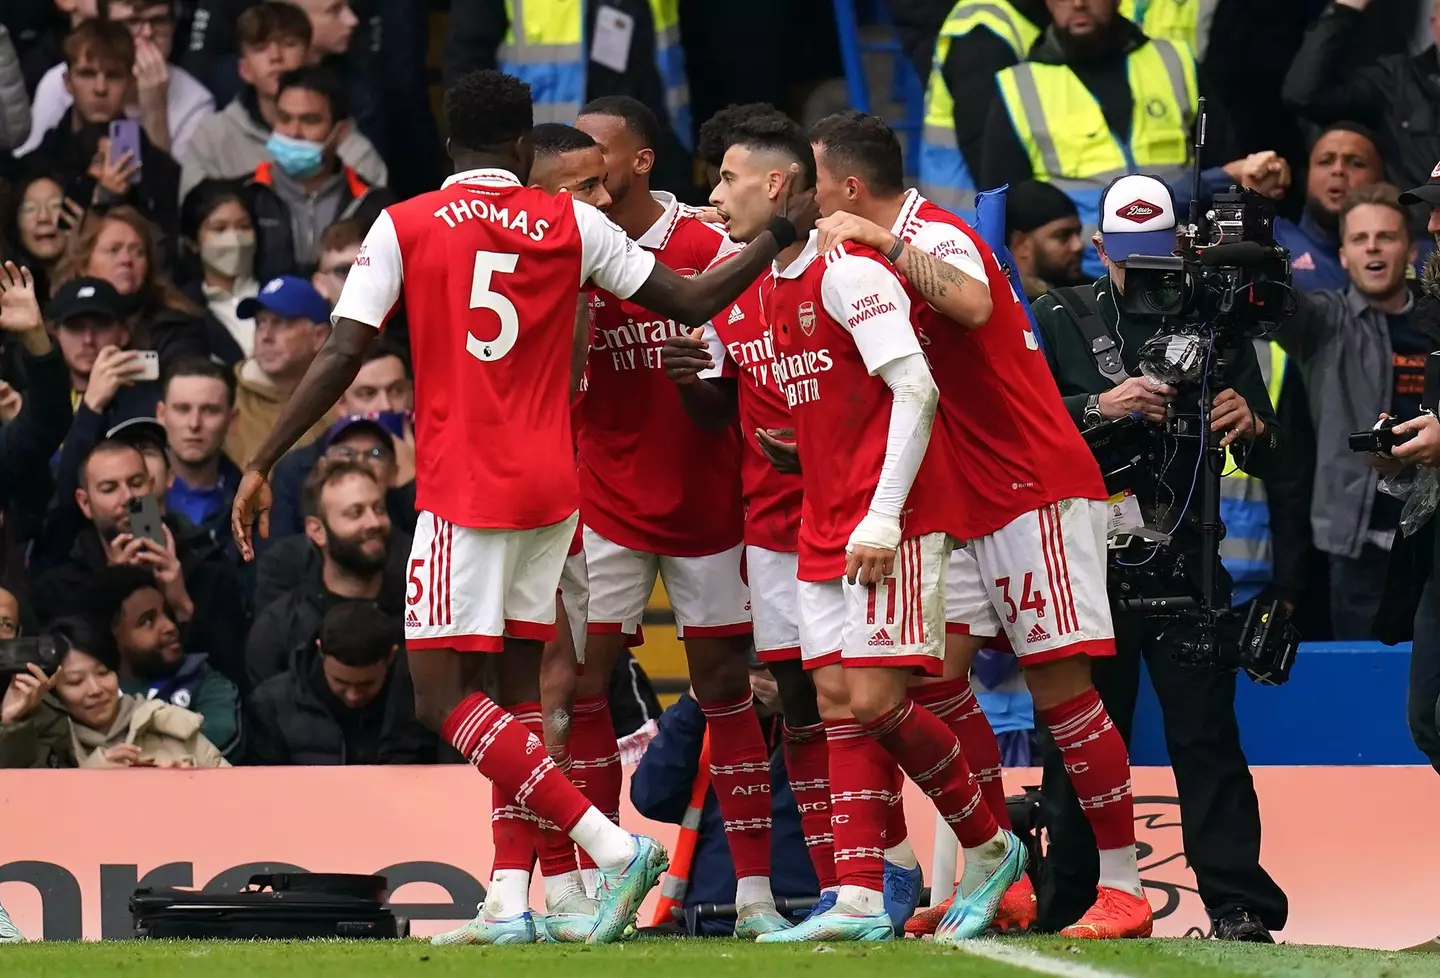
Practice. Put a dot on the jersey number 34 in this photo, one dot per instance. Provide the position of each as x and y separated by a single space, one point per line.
482 296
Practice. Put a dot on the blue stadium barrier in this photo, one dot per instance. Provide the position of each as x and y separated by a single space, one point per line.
907 88
1344 705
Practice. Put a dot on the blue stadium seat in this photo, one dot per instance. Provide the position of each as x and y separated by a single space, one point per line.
906 87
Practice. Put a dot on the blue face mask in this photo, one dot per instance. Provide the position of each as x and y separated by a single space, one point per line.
300 158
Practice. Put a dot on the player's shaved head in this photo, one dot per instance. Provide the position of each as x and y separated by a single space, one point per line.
627 133
639 121
764 152
857 154
490 116
553 138
568 159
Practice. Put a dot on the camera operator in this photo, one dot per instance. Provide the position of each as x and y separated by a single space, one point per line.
1414 560
1219 809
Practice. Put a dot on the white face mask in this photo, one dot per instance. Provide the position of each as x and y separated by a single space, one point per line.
230 253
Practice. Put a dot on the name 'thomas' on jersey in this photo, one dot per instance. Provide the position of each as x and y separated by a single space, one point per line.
836 321
490 270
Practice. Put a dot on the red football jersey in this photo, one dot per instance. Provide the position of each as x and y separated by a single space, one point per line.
1015 447
836 320
490 271
653 480
772 498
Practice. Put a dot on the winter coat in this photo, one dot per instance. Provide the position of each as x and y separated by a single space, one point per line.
294 718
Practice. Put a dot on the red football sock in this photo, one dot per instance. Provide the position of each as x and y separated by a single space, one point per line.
595 758
513 760
859 784
1098 764
557 851
807 761
896 831
740 776
931 755
513 829
953 702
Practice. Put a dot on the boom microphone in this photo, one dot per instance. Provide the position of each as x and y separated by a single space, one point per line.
1241 254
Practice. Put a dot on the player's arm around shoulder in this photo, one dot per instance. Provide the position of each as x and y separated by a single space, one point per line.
940 260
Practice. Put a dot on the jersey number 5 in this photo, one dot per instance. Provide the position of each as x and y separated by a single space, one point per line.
487 263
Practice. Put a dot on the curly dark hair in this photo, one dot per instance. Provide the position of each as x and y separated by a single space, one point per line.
863 145
715 133
487 108
778 133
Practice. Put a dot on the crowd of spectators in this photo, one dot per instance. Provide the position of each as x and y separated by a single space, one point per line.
183 189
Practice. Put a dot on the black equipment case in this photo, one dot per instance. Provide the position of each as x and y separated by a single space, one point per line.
282 906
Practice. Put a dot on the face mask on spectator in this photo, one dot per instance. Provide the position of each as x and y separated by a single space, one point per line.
231 253
300 158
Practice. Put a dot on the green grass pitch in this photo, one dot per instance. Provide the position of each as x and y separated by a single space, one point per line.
655 958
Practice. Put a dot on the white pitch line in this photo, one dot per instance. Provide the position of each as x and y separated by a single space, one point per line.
1024 957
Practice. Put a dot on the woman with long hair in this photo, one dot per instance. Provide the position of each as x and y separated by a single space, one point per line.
40 226
122 247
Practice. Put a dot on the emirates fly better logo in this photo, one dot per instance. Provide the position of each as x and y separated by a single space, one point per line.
1139 211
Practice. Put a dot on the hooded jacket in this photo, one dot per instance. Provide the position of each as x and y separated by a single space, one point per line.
259 401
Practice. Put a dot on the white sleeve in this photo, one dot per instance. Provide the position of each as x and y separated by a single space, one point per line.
952 246
912 415
719 355
868 298
607 255
48 108
373 286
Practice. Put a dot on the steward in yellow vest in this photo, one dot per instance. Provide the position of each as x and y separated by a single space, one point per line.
979 38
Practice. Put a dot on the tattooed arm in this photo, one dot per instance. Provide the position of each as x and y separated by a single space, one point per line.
941 262
949 290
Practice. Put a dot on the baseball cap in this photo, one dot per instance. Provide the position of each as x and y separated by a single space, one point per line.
140 432
85 297
1427 193
289 296
1137 217
350 423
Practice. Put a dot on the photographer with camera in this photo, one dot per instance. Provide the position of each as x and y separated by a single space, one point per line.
1410 452
1093 346
1361 356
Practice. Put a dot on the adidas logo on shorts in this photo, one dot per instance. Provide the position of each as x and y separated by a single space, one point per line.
411 621
1037 634
882 637
735 315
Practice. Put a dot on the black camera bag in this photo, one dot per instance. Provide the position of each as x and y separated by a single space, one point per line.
282 906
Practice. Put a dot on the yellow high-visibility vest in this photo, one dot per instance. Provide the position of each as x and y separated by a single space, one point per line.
1069 144
1245 511
945 177
544 46
1174 20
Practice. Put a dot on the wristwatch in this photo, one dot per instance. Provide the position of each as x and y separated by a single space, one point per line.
1092 415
